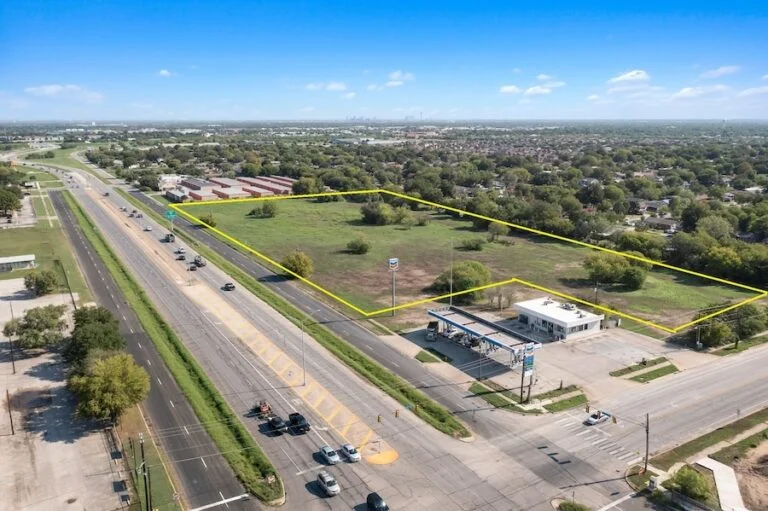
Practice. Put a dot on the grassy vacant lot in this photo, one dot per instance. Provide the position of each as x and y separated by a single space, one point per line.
49 245
63 157
322 230
733 453
666 459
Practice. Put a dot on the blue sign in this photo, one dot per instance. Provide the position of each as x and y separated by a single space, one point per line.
170 214
394 263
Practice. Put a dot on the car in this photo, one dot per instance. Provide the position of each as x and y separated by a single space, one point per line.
122 208
229 286
328 483
374 502
349 452
180 250
277 425
192 267
148 228
329 455
597 417
298 423
181 257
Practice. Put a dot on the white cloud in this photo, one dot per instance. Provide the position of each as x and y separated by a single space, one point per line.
754 91
349 95
542 77
374 87
636 75
554 84
593 97
765 77
537 90
336 86
509 89
330 86
164 73
692 92
65 92
401 76
720 71
394 83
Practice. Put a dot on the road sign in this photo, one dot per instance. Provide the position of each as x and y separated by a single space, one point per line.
528 365
394 264
170 214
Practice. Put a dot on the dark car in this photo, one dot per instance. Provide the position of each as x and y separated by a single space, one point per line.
298 423
181 257
374 502
277 425
229 286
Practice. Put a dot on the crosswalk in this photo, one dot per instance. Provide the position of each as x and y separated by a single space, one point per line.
597 437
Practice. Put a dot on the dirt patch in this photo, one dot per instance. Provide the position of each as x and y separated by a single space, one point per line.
752 473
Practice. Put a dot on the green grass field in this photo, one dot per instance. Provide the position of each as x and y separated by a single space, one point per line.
48 244
322 230
63 157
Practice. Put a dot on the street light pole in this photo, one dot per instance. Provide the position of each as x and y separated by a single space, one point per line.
647 442
303 366
450 283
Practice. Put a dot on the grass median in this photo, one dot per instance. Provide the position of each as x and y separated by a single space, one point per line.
234 442
637 367
682 452
656 373
397 388
566 404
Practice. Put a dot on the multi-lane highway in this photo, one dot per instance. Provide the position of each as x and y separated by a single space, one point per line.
204 475
516 462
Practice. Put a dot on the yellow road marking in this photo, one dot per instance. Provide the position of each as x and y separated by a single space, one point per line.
365 440
180 209
279 354
345 430
307 390
333 414
322 398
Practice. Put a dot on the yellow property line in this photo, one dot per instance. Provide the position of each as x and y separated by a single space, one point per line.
180 209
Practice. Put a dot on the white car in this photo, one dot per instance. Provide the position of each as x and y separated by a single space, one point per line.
180 250
328 483
148 228
349 452
329 455
597 417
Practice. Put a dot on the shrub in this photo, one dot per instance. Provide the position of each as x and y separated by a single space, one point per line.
634 277
41 282
358 246
299 263
208 219
423 220
466 275
690 483
473 244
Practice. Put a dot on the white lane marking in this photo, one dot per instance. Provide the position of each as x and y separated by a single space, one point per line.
224 500
149 362
564 419
220 502
124 318
592 437
636 460
289 457
626 456
186 430
616 502
583 432
596 442
615 451
206 466
158 380
131 330
172 405
139 344
311 469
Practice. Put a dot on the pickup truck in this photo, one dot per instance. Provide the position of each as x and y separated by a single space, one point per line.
298 423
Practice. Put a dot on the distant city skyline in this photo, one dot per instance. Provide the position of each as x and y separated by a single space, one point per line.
482 60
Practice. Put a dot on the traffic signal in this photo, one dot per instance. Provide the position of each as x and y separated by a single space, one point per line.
614 418
397 413
378 418
587 408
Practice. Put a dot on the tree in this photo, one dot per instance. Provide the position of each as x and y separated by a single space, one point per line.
41 282
377 213
305 186
690 483
634 277
716 226
358 246
466 275
495 230
716 334
87 315
9 202
605 268
208 219
269 209
110 386
299 263
692 214
85 338
650 245
40 327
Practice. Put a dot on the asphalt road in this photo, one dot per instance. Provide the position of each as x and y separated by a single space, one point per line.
204 475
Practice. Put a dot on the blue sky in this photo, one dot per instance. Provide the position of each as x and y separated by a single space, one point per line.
479 59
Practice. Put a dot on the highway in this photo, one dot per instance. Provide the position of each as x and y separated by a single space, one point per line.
204 475
433 471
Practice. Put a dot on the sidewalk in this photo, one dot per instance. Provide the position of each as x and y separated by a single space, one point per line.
727 485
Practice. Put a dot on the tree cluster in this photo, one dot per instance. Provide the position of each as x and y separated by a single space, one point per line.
41 327
464 276
299 263
267 209
41 283
605 268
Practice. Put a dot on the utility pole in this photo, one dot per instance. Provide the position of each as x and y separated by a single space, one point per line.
303 366
522 378
450 283
647 442
144 472
10 342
